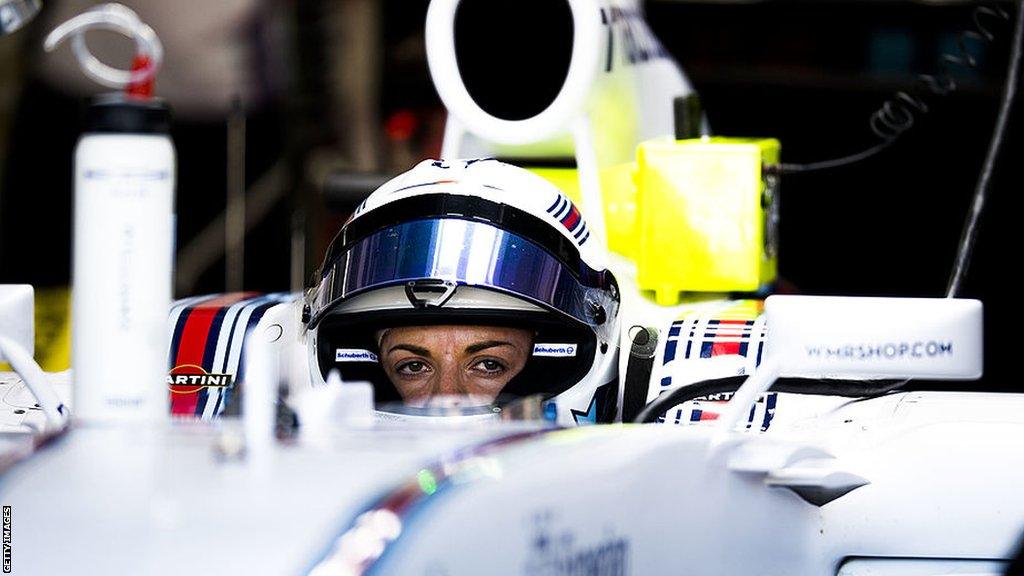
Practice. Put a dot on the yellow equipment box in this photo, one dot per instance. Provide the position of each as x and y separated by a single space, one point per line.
706 218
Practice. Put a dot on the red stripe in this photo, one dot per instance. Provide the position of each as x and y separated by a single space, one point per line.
571 220
708 416
720 348
193 346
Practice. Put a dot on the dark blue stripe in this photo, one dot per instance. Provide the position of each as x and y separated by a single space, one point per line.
217 409
760 348
555 203
580 232
231 336
695 415
705 349
769 411
176 339
666 381
674 331
743 348
670 351
227 397
584 239
689 346
716 335
210 349
564 209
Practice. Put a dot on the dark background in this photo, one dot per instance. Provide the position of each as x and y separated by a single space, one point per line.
811 73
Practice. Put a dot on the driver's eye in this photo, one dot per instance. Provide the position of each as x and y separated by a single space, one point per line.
413 368
489 366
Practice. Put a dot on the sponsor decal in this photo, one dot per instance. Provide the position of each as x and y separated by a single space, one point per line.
354 355
555 350
637 41
888 351
555 552
190 378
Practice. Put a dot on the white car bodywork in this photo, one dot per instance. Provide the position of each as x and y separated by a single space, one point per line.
940 477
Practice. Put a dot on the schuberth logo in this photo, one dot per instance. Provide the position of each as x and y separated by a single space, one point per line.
354 355
555 350
189 378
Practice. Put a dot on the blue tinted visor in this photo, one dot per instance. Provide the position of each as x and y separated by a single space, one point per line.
457 252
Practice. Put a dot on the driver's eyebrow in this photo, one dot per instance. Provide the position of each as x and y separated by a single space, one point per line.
474 348
410 348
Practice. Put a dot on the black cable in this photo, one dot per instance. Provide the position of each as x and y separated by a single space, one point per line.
784 168
898 114
970 230
846 388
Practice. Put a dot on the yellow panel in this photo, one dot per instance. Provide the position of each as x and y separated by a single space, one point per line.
617 193
700 218
53 328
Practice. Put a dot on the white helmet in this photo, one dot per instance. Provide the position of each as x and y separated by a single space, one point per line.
474 242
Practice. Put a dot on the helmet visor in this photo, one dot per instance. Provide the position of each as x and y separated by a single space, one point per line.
455 252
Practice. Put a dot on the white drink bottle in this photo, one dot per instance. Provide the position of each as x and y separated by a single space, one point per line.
122 264
123 229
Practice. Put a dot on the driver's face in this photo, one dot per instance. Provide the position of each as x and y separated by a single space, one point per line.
424 362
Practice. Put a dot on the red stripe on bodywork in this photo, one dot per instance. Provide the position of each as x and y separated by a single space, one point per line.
184 399
720 348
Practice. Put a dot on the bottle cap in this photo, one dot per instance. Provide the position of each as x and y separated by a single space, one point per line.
118 113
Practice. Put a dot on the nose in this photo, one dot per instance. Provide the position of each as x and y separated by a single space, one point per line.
449 380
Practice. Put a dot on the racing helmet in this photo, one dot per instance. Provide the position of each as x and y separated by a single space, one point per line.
472 242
